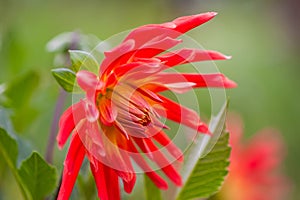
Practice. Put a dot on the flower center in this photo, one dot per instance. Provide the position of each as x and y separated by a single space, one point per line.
145 120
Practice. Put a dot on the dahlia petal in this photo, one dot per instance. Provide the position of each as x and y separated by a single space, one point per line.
127 173
116 55
172 173
99 177
111 178
128 185
108 112
111 79
170 29
67 123
117 156
120 50
144 147
121 128
163 163
155 47
149 65
151 40
90 136
184 56
145 70
200 80
180 87
66 126
148 93
165 141
142 35
186 23
86 80
158 124
123 69
106 182
72 166
156 179
91 111
181 114
129 127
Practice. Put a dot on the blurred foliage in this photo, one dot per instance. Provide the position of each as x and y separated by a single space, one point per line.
35 177
256 33
17 95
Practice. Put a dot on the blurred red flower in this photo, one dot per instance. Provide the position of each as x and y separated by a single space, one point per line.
254 172
119 119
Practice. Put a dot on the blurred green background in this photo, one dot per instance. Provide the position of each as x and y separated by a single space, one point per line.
262 36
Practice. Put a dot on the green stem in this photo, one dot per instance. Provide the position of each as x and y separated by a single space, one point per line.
14 171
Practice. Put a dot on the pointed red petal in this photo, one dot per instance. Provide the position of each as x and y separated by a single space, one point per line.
145 65
148 93
127 172
128 186
181 114
143 146
72 166
165 141
172 173
200 80
99 177
137 157
153 48
111 178
172 29
163 163
186 23
106 182
190 55
67 122
157 180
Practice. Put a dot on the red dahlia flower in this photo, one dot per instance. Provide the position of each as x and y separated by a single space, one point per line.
254 172
119 119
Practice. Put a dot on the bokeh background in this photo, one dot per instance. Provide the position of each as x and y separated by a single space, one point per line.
262 36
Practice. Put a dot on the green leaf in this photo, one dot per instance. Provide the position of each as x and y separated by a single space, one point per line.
65 77
204 175
9 152
83 60
8 149
37 176
152 192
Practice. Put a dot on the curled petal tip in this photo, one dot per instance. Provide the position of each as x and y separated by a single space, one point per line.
227 57
178 182
231 84
203 128
213 13
163 186
60 146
